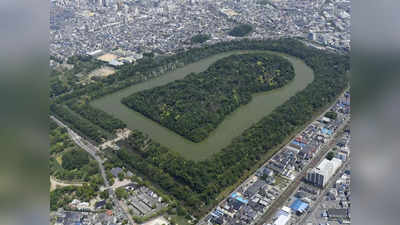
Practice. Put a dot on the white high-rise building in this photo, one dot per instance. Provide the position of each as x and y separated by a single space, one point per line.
321 174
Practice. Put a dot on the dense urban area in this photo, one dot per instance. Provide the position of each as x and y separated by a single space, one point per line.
132 27
290 167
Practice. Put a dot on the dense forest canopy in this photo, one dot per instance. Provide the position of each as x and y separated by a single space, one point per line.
241 30
96 116
74 159
197 184
193 107
200 38
68 161
82 125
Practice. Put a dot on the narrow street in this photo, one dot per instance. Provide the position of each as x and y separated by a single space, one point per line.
324 191
293 186
93 150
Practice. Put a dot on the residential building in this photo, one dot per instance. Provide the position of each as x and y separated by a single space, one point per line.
321 174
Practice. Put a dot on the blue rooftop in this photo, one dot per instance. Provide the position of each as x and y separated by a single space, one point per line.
299 206
298 143
239 198
326 131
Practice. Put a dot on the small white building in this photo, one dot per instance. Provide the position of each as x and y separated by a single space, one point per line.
83 205
283 216
115 62
95 53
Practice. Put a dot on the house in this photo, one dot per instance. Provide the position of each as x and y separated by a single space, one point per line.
325 120
267 172
83 205
115 171
250 213
217 216
334 214
73 218
270 180
109 213
129 174
255 188
326 132
100 204
217 220
300 194
237 201
307 152
277 167
341 155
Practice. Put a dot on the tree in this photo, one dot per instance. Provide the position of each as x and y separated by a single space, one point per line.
331 115
104 194
196 184
74 159
241 30
194 106
109 205
200 38
330 155
121 193
121 176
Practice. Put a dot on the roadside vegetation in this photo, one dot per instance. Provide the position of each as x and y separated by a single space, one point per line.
77 123
61 197
331 115
69 163
97 117
196 185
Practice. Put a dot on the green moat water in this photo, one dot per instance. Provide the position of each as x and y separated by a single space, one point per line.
234 124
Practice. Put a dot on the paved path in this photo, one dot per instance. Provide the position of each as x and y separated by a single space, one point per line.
93 150
324 192
55 182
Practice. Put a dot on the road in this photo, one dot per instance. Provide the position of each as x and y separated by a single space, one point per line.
323 193
54 183
93 150
272 209
293 186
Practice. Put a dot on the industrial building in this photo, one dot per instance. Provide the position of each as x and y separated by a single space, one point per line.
320 175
